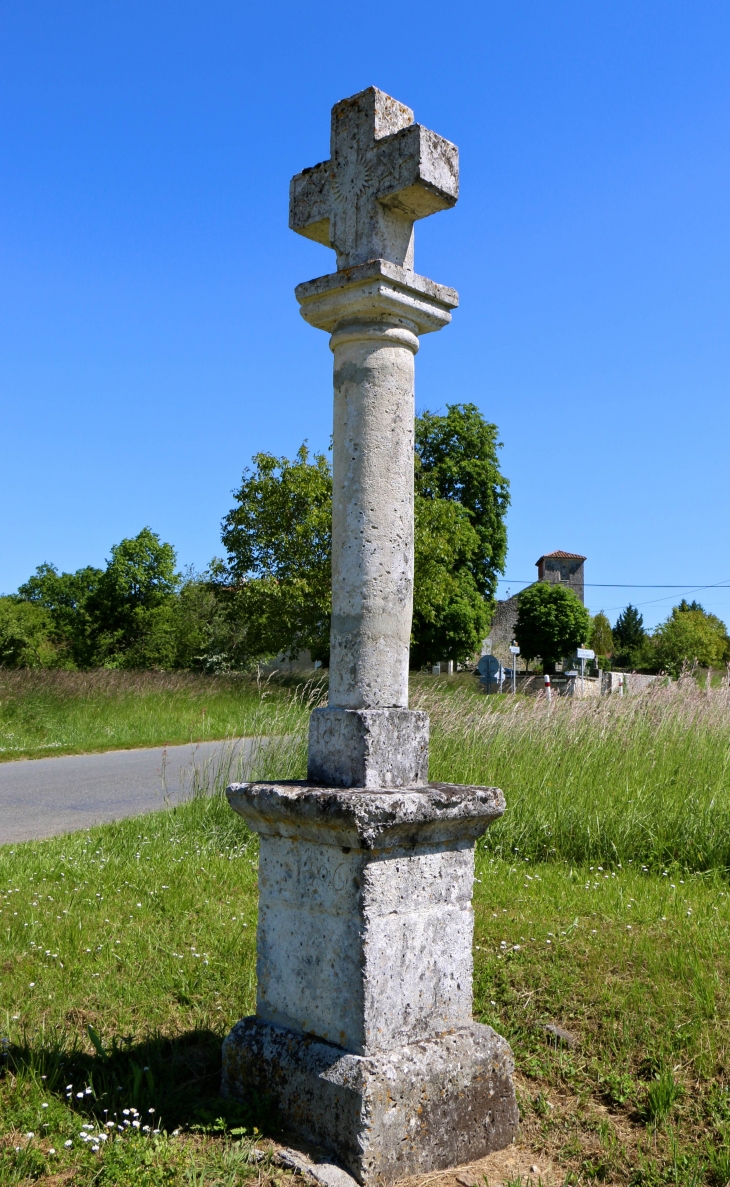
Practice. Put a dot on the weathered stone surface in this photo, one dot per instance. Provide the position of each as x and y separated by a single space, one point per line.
441 813
313 1164
370 748
376 290
363 1035
365 917
421 1107
384 173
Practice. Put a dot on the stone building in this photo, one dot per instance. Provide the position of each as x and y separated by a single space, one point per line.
565 568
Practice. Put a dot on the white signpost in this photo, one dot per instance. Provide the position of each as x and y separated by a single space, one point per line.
514 649
584 653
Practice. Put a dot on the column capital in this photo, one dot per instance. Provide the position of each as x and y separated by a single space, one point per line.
378 291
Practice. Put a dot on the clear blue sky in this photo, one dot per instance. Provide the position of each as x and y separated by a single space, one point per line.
150 341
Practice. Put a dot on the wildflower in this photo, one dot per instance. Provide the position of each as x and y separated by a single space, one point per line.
30 1134
44 1106
68 1143
51 1151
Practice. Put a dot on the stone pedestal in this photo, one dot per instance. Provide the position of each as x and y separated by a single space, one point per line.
363 1036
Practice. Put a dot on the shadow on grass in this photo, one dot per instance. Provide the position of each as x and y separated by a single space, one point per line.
171 1082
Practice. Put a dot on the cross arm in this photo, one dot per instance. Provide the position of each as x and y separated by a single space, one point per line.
421 173
309 203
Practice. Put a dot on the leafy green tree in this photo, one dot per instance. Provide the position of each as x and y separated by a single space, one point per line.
601 635
691 636
65 597
27 636
457 459
551 622
132 608
450 616
208 637
278 539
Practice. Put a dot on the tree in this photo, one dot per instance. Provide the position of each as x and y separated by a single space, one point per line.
65 597
450 616
132 607
278 538
691 636
551 622
629 633
26 636
601 635
456 459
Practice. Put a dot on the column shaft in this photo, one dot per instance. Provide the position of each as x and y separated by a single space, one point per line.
372 515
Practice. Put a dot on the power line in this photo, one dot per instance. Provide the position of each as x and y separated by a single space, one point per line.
612 585
687 589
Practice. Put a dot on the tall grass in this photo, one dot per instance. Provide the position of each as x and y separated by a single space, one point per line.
642 779
51 712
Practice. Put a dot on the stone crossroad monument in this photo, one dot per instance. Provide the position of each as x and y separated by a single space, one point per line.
363 1036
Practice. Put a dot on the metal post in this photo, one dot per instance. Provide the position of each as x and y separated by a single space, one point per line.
548 689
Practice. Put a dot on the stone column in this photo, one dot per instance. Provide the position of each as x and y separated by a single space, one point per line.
375 312
372 514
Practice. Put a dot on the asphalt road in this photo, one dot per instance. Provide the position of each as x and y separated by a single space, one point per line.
43 797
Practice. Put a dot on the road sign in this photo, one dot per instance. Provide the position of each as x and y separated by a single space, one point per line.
489 666
515 649
490 671
585 653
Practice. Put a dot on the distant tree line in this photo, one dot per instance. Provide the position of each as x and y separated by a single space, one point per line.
271 595
552 622
689 636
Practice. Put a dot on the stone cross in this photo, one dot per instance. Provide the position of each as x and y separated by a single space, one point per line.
385 172
363 1035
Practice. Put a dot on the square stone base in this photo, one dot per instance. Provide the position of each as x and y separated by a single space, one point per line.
422 1107
368 748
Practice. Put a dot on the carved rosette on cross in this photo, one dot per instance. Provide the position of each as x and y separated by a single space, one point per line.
363 1037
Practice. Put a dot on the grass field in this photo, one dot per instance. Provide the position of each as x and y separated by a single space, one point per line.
50 712
128 952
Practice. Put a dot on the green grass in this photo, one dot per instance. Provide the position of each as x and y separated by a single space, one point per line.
128 951
643 778
48 712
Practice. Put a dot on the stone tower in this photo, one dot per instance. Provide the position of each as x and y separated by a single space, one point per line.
562 568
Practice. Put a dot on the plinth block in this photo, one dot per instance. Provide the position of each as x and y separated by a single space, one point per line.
420 1107
368 748
363 1036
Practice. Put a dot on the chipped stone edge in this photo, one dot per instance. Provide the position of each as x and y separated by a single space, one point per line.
365 818
322 1171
